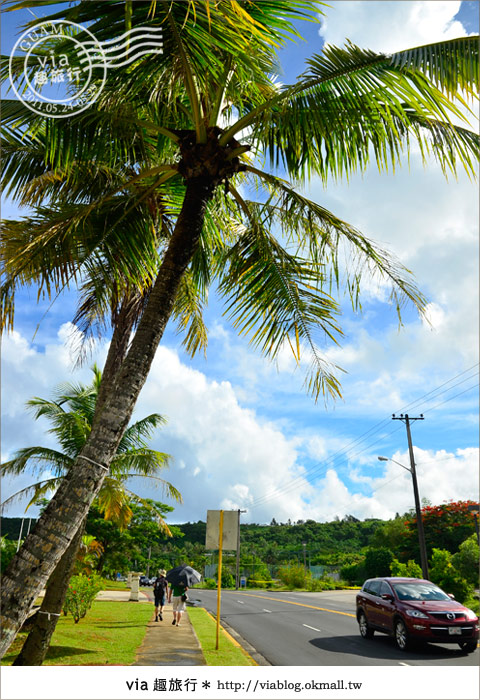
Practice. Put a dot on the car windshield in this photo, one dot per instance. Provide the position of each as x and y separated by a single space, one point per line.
419 591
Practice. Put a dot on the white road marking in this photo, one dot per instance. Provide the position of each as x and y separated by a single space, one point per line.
402 663
312 628
241 602
265 610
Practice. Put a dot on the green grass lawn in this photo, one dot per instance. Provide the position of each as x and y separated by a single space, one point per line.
228 654
109 635
114 585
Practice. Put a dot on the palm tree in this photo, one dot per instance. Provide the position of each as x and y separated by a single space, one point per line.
207 121
71 413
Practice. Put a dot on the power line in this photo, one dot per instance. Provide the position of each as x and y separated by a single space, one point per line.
320 468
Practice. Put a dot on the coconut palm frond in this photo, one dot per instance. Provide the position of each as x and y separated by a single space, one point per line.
166 486
34 492
345 255
37 460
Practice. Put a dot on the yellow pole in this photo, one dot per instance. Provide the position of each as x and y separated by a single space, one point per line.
219 588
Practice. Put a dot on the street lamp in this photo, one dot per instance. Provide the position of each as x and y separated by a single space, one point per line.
418 510
474 510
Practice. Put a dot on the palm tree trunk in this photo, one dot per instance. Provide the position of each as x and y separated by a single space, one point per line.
29 570
37 642
122 322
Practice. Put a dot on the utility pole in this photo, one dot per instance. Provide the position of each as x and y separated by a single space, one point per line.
237 567
421 533
148 560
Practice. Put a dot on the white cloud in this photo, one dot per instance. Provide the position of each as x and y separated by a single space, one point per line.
228 456
391 26
432 225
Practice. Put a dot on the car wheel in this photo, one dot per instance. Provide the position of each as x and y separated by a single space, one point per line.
365 629
467 647
401 635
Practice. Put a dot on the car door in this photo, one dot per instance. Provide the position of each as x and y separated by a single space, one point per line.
372 600
385 607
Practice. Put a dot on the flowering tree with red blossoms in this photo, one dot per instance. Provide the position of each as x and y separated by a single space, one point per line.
446 527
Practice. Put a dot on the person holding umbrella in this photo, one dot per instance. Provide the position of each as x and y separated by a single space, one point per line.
180 578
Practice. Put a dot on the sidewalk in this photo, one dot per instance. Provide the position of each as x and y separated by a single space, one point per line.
164 644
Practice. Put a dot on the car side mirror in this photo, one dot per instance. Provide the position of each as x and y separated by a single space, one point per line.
387 596
450 595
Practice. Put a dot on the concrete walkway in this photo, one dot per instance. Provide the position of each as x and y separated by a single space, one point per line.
164 644
168 645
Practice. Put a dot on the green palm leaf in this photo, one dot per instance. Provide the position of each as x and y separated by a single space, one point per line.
71 415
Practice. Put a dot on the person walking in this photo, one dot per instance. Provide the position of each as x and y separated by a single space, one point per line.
160 590
178 591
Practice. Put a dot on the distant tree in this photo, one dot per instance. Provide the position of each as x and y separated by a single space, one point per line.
392 534
411 569
446 527
377 561
7 551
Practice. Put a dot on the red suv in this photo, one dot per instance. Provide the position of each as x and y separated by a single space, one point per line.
412 609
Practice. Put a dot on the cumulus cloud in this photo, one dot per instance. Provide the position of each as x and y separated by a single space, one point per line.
391 26
229 456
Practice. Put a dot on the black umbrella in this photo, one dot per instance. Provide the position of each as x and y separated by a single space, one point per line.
183 574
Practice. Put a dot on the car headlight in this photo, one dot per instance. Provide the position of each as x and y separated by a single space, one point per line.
470 615
416 613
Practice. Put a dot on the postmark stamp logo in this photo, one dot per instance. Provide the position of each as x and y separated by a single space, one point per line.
55 74
52 72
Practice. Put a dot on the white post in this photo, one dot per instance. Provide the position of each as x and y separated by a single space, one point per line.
134 587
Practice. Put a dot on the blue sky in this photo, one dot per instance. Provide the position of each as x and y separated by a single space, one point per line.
242 431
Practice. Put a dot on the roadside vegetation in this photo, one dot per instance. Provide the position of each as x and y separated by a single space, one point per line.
338 554
229 652
108 636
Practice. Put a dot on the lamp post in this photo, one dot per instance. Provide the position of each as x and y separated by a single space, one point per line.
474 511
237 562
418 510
304 545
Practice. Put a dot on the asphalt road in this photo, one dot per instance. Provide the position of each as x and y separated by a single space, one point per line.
311 629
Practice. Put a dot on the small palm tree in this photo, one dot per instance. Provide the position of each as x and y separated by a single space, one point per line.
71 413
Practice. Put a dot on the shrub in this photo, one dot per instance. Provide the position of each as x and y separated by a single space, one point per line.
472 602
466 560
210 583
315 584
411 569
326 583
82 591
294 576
443 573
228 580
354 573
